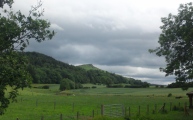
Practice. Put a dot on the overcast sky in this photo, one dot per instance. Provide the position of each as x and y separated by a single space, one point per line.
113 35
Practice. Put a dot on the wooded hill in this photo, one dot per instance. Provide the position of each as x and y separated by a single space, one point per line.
45 69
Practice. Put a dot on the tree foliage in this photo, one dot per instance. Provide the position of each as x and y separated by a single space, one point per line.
176 43
67 84
17 30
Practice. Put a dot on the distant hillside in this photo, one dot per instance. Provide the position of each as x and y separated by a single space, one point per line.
88 67
45 69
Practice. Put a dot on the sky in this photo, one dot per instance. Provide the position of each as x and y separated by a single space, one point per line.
113 35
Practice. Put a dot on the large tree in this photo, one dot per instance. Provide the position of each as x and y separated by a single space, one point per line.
176 43
16 30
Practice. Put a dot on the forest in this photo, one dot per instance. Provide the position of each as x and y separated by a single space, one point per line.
46 70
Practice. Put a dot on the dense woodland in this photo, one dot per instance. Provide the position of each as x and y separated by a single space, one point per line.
46 70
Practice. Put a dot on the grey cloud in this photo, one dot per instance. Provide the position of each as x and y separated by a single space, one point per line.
116 34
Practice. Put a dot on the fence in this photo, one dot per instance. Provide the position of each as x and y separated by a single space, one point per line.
164 108
113 110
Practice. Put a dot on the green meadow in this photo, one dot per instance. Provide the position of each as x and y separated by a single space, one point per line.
49 104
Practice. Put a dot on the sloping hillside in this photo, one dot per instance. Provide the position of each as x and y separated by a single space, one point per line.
45 69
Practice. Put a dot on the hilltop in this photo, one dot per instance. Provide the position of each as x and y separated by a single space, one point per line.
89 67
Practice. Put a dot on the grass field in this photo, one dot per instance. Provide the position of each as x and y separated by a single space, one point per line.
34 103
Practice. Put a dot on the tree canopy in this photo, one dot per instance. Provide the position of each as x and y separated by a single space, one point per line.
176 43
17 30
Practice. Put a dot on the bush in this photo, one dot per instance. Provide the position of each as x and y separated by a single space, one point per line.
115 86
94 87
170 94
185 88
78 86
65 84
45 87
133 86
86 87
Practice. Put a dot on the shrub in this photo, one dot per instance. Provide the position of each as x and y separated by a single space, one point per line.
94 87
86 87
45 87
185 88
170 94
78 86
161 86
64 84
115 86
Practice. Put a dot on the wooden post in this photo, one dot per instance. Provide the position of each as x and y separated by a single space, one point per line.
93 113
102 110
60 116
190 101
72 107
125 111
54 105
36 102
77 115
170 106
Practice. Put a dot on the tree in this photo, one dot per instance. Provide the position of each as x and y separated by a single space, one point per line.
176 43
66 84
16 31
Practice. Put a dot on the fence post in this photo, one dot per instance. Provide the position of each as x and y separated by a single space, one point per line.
60 116
102 110
54 104
42 118
125 111
170 106
72 107
93 113
77 115
36 102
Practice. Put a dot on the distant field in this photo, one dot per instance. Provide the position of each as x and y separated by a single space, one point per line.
50 103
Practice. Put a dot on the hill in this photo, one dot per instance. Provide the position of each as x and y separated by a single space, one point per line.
88 67
45 69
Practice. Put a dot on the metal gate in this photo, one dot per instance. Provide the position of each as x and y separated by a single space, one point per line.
113 110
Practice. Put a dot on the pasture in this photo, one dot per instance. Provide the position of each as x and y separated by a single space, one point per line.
144 103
